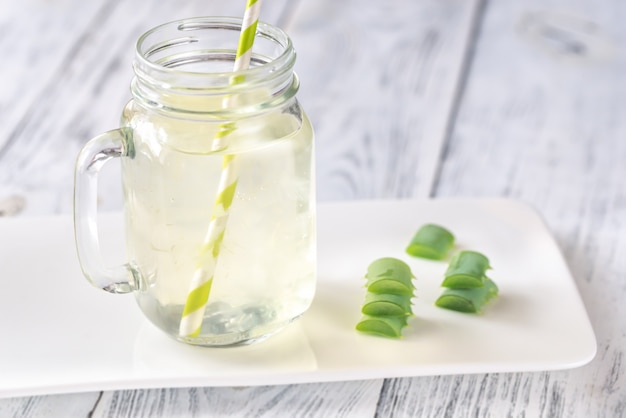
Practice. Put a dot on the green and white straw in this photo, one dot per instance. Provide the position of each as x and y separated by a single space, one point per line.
200 288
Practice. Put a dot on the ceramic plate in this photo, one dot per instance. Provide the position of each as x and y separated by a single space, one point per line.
59 334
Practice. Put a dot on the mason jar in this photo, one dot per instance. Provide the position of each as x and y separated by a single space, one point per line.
218 182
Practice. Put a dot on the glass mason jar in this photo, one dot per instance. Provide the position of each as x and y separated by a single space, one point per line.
217 172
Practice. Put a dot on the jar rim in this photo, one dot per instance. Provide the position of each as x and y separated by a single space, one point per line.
167 57
285 60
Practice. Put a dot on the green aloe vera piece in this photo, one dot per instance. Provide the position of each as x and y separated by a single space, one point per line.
389 275
466 270
468 300
387 304
384 326
431 241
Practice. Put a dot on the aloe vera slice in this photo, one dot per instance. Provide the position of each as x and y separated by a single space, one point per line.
384 326
431 241
466 270
387 304
468 300
389 275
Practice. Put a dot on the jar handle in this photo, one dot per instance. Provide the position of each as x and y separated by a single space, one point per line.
99 150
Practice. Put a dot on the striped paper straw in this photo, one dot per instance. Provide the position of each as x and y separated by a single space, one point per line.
200 288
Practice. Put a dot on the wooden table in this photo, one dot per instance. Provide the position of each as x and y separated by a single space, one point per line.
410 98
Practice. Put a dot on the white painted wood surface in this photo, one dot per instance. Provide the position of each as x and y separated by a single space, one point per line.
410 98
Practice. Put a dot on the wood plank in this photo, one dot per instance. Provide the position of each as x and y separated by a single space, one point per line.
340 399
542 120
35 39
378 83
70 405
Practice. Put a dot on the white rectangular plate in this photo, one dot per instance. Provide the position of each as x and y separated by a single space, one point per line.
59 334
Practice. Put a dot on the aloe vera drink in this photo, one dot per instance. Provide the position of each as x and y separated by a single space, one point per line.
197 134
265 270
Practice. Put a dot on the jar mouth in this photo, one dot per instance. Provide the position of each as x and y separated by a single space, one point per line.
198 53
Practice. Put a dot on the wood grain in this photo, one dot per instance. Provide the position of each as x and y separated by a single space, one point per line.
378 83
328 399
69 405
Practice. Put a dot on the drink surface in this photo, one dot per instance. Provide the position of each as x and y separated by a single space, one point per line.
265 272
